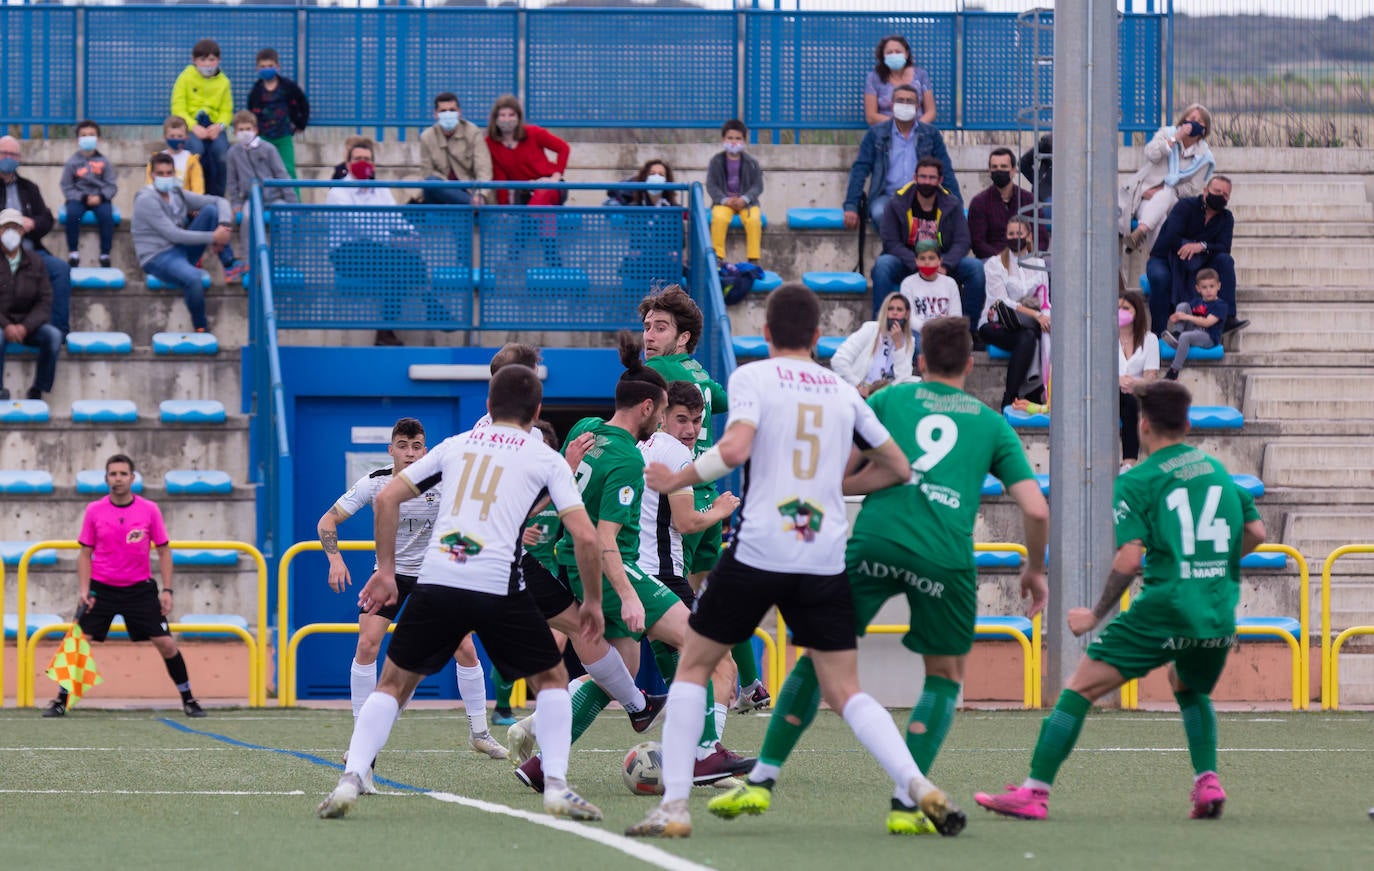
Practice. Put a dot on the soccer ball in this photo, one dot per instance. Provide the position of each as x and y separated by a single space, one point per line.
643 769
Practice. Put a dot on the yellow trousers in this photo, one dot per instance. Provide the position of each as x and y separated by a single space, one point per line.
752 218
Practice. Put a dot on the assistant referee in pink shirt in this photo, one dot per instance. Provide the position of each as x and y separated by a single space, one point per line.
117 535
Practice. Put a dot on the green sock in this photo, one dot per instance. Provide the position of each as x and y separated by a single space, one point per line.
1200 725
665 657
708 726
503 689
800 697
587 702
934 710
743 654
1058 733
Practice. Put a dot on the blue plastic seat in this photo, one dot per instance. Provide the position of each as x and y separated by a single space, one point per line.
32 623
992 486
835 282
204 557
191 411
92 481
155 283
11 551
454 277
1044 481
19 349
97 278
99 343
557 280
220 619
187 344
1285 625
815 219
192 482
750 346
286 277
770 281
1144 284
997 559
88 218
996 353
1250 484
1216 352
1260 560
1022 420
24 411
1215 417
24 482
104 411
828 345
1021 625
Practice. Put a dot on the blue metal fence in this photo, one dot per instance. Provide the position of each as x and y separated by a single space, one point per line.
36 48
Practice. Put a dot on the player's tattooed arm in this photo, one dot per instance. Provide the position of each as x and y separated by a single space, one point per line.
330 541
1117 583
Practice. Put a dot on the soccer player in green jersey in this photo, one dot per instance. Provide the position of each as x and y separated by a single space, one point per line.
914 539
1182 514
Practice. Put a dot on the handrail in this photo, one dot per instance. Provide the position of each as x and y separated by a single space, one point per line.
284 634
1328 666
1334 663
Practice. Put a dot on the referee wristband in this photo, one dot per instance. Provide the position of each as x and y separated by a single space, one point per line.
165 590
711 465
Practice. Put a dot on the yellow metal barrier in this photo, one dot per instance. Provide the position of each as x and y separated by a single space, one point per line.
2 639
257 683
1028 659
286 688
1328 656
286 692
1334 661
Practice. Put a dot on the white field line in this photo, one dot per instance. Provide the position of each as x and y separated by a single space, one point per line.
230 792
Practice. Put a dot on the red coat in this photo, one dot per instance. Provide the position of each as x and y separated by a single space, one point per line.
528 160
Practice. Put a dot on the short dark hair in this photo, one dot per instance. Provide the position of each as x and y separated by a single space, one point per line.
678 303
352 145
686 394
931 160
1220 177
515 394
268 54
447 97
1205 275
408 427
119 458
734 124
517 354
205 48
1003 152
906 89
946 346
793 315
87 123
548 432
1165 405
159 159
639 382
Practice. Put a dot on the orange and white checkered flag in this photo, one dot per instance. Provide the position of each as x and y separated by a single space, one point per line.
73 666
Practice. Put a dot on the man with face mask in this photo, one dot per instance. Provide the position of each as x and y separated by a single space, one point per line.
453 149
22 195
25 305
989 210
888 155
1196 235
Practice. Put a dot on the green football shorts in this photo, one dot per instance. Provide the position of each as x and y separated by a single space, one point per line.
944 603
1135 645
656 598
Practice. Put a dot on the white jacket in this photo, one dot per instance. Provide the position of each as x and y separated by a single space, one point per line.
853 358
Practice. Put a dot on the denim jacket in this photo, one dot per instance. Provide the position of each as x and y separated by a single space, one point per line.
872 161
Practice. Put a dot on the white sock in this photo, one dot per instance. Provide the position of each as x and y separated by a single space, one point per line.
873 726
611 675
362 680
763 771
472 686
370 732
1032 783
681 729
553 731
722 717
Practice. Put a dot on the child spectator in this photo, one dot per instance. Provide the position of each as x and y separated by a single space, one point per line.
735 182
88 183
1196 323
251 158
930 293
202 98
652 172
280 106
190 175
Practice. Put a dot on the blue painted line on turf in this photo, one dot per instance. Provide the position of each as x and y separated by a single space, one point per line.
307 757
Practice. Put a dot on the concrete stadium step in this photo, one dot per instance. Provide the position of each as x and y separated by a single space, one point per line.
1307 395
1311 278
58 516
141 313
142 376
1303 214
199 589
1335 464
1319 533
1315 188
1272 229
63 449
1310 254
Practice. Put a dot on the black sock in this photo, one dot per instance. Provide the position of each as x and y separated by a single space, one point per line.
176 667
62 696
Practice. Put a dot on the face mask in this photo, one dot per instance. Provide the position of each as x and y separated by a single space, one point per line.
655 178
208 70
903 111
11 239
1125 317
1018 244
1000 178
1194 129
246 137
927 190
267 74
734 147
1216 202
8 165
448 119
87 143
361 169
164 183
506 126
928 271
175 144
895 61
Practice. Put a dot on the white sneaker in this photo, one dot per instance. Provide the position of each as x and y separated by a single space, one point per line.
566 803
752 698
670 820
520 740
342 799
482 742
368 787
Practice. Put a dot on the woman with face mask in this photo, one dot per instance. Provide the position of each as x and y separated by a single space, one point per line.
25 305
879 352
1016 313
652 172
894 67
1176 162
520 152
1137 362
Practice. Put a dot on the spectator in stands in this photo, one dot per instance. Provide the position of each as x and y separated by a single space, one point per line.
452 149
880 351
520 152
1196 323
895 67
989 210
201 96
734 182
88 184
1196 236
280 106
190 175
652 172
1137 363
1177 163
341 169
1016 315
170 242
252 158
24 196
1042 177
931 293
26 305
888 156
373 248
924 210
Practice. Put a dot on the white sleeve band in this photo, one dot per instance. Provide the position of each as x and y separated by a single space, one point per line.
711 465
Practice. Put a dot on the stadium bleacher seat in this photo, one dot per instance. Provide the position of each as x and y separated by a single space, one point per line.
12 551
19 349
220 619
92 481
828 345
835 282
1044 481
191 411
1023 420
997 559
548 283
750 346
992 486
192 482
104 411
204 557
99 343
1215 417
1286 625
88 219
1216 352
155 283
996 353
1260 560
97 278
1250 484
32 622
23 411
185 344
1144 284
1022 625
454 277
21 482
770 281
815 219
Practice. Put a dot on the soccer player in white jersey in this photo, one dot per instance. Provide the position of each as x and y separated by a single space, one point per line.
794 422
469 583
416 522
